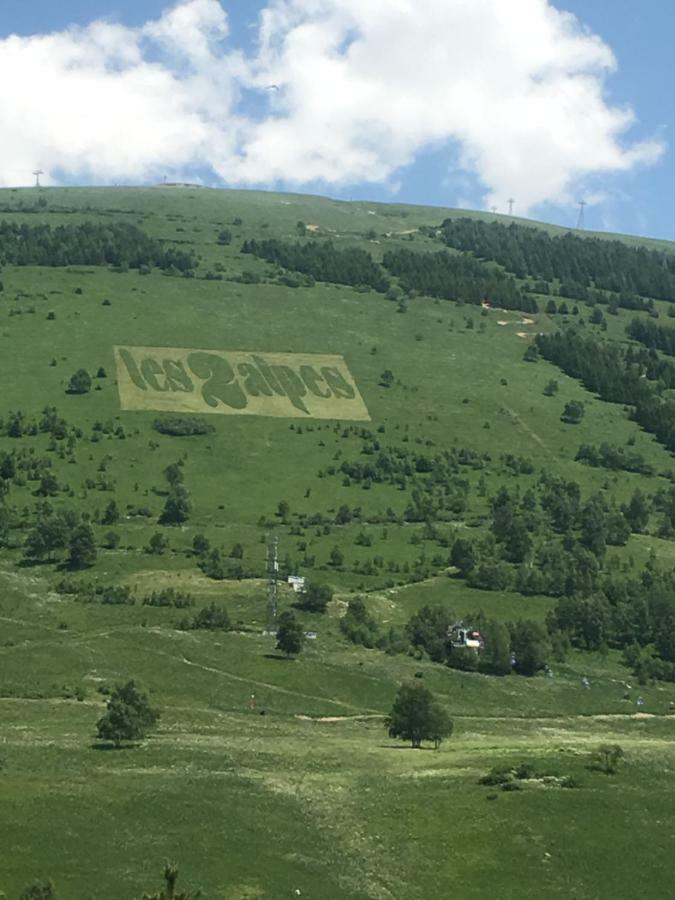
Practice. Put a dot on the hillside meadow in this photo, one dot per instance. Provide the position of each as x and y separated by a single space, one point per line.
270 777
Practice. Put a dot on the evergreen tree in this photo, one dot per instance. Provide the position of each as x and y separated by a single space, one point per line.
637 512
495 658
177 507
170 891
357 625
82 548
111 514
290 635
463 556
531 647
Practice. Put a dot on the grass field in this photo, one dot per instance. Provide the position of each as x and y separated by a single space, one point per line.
298 788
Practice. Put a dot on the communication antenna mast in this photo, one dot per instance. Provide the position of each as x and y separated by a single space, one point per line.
493 209
511 201
581 220
37 174
272 582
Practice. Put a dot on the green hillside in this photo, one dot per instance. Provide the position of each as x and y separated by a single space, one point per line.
487 438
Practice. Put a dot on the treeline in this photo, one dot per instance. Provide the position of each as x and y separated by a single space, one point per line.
322 261
547 540
618 376
586 262
636 615
607 456
90 244
656 337
438 492
457 278
523 647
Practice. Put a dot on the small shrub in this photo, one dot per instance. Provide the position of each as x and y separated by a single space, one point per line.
497 776
511 786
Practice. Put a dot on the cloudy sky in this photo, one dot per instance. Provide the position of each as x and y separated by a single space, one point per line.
449 102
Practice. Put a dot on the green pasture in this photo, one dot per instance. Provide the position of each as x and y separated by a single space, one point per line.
268 777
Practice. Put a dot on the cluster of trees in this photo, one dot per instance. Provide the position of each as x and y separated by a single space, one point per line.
618 376
608 456
322 261
457 278
550 540
208 618
523 647
578 262
56 533
437 489
116 244
177 507
93 592
637 615
656 337
181 426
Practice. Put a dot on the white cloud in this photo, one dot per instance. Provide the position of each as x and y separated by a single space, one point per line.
515 91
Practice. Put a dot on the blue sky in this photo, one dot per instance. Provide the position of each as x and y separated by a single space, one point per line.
546 139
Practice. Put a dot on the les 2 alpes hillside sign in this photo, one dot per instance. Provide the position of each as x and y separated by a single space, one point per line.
235 382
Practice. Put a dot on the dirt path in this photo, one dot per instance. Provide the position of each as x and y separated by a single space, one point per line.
526 428
260 684
359 718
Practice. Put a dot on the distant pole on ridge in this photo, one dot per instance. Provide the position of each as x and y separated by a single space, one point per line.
511 202
37 174
493 209
582 216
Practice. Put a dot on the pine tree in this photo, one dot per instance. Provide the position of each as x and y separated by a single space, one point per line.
290 636
82 548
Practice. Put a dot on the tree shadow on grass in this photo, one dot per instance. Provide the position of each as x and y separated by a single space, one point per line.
404 747
29 563
110 745
279 656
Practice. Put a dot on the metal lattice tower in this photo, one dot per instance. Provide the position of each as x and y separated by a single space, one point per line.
37 174
272 582
582 208
511 201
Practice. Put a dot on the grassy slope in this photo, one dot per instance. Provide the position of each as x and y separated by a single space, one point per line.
257 806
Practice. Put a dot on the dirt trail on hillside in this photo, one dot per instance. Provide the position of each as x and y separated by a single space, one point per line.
359 718
255 683
526 428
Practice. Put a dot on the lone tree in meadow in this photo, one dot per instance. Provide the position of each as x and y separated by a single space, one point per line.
416 717
290 636
82 548
177 507
387 378
80 382
169 891
129 716
573 412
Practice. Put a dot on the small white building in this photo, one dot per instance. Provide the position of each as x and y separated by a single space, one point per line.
461 636
297 582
